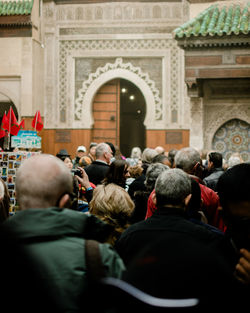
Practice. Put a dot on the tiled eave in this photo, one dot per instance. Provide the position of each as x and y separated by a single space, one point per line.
216 41
15 20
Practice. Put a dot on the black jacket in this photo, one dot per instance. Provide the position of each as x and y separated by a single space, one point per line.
97 171
213 177
165 222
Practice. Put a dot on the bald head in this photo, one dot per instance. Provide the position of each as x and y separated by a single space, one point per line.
41 181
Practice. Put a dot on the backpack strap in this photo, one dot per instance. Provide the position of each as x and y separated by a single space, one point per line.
94 266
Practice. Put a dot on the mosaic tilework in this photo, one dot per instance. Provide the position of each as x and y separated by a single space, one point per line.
233 136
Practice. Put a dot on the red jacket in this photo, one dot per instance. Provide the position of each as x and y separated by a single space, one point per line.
210 206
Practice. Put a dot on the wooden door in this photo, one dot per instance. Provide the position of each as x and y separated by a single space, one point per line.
106 112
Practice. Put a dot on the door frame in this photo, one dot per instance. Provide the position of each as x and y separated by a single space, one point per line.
87 119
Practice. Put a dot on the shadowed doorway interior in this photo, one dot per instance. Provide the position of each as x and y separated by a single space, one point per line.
119 112
132 115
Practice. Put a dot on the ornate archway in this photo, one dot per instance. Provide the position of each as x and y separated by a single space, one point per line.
231 137
83 104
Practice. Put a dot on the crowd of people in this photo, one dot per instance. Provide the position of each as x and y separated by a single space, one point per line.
158 230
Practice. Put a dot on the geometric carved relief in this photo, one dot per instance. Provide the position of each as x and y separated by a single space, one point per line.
118 64
69 48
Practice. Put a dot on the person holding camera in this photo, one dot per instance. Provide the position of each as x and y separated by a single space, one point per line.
65 157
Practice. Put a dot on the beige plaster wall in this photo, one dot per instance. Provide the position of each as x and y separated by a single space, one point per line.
10 61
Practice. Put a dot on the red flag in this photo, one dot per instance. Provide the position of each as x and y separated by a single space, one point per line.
2 133
5 123
14 127
37 122
22 125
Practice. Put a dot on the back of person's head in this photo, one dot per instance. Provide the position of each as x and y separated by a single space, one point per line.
172 187
159 150
234 185
113 205
84 161
233 189
171 156
101 148
160 158
153 171
41 181
216 158
116 173
186 159
135 171
136 153
148 154
4 201
112 147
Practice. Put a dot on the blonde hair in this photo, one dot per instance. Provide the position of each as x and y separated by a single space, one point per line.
135 171
113 205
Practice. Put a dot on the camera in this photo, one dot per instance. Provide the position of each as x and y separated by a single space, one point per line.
76 172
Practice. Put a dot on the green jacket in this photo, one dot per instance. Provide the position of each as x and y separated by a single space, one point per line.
54 240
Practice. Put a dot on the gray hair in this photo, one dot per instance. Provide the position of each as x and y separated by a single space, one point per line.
148 155
186 158
101 148
172 187
136 153
153 171
41 180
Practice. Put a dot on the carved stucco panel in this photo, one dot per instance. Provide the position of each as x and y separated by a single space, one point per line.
69 48
196 125
156 104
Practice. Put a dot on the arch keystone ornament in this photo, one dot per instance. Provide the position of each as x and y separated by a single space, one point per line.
118 69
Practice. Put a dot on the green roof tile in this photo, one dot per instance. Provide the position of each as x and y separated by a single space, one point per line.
19 7
216 20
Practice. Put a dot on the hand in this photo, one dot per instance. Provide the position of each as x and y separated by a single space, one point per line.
243 267
84 180
198 170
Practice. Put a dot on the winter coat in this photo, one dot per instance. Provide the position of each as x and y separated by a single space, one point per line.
168 223
53 240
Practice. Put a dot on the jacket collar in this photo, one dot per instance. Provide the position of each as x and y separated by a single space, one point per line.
53 222
165 210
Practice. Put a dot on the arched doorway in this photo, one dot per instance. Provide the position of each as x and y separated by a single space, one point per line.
132 115
119 111
231 137
5 104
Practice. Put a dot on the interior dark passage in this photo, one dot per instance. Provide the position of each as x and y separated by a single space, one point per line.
132 115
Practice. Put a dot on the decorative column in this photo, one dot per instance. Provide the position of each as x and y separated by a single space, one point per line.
197 118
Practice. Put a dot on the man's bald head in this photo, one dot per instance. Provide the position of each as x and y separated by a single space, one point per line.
41 181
